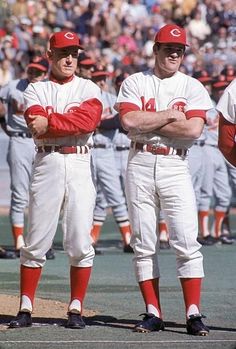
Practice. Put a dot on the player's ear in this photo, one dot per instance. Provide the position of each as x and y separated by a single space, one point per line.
49 54
155 48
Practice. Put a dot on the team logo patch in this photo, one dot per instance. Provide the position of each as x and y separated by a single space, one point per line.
72 107
178 104
69 35
175 32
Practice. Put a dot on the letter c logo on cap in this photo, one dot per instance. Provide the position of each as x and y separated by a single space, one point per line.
69 36
175 32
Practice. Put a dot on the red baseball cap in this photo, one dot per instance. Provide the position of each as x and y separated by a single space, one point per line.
220 82
171 33
64 39
39 63
203 77
85 60
100 73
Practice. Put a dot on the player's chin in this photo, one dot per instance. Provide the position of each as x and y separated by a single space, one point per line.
67 72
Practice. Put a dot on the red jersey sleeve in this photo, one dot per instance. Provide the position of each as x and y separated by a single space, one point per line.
34 110
226 141
78 120
82 119
196 113
125 108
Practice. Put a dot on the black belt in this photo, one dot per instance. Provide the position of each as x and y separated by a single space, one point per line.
121 147
103 146
156 150
200 143
21 134
62 149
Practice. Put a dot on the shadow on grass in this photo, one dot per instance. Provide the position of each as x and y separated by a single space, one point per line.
108 321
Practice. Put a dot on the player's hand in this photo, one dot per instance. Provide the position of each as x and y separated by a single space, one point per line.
175 115
38 126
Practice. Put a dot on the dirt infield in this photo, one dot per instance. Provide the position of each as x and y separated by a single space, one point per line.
43 308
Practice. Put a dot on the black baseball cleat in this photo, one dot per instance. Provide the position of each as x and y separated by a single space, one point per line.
164 245
97 252
196 327
128 249
207 240
50 254
75 321
23 319
225 240
149 323
4 254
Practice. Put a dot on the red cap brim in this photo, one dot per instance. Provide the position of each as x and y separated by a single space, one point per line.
37 66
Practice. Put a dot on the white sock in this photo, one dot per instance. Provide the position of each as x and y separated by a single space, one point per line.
20 242
193 309
75 306
26 304
153 310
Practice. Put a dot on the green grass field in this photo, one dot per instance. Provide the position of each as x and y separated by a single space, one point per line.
114 295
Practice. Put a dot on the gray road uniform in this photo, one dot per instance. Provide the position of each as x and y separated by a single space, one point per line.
121 148
106 174
215 185
197 160
21 150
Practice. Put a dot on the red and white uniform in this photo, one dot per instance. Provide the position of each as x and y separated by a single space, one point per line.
73 110
227 124
162 181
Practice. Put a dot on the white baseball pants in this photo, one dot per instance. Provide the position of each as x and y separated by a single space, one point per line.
154 182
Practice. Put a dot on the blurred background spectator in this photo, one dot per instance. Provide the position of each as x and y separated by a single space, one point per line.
118 34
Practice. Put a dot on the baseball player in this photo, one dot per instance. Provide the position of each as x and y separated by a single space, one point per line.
209 173
226 139
61 113
215 183
105 168
85 66
121 141
21 150
164 111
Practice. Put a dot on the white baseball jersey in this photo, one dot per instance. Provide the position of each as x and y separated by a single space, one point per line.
180 92
227 103
62 98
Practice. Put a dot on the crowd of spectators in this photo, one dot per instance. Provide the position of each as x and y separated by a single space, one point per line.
118 34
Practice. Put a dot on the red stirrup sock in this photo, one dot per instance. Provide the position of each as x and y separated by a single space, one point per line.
219 217
163 232
150 293
79 279
96 231
192 293
125 231
203 217
17 232
29 279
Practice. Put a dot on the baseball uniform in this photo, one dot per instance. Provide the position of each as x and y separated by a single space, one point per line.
155 174
215 184
109 189
72 180
226 107
20 155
